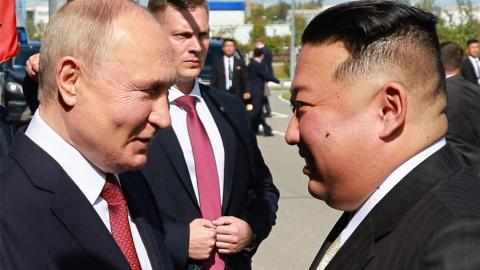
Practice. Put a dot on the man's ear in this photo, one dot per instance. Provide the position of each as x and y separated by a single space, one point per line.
393 110
68 73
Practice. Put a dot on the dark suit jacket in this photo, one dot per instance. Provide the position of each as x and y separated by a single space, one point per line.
239 76
258 75
463 113
268 59
47 223
430 220
468 71
6 131
249 192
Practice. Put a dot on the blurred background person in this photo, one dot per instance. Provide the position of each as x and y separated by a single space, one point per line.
470 68
463 107
229 73
267 59
257 78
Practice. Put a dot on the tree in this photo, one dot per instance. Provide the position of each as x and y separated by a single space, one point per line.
466 25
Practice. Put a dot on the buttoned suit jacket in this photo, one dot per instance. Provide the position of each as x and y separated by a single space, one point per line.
463 111
468 71
248 191
239 76
429 220
46 222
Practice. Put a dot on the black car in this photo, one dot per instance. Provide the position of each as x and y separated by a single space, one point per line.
215 50
12 73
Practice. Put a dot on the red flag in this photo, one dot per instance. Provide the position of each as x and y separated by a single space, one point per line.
8 30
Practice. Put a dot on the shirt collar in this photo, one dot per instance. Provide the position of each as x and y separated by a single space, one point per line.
174 92
388 184
89 179
228 58
473 58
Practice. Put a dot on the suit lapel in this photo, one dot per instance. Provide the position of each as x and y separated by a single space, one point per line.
218 111
145 216
69 204
169 142
359 249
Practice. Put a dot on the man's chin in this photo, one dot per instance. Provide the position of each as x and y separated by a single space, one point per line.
316 189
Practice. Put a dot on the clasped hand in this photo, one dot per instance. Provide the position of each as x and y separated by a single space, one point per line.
228 234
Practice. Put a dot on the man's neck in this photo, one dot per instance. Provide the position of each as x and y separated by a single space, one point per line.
185 87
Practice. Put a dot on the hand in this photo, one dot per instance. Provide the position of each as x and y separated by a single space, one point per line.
282 83
233 235
202 239
247 95
33 67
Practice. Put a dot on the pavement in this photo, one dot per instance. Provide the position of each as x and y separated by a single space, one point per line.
302 221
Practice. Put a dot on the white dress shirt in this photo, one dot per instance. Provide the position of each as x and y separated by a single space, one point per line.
476 67
228 64
179 125
390 182
89 179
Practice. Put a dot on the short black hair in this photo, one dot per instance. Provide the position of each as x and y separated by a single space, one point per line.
258 52
452 55
383 36
471 41
229 40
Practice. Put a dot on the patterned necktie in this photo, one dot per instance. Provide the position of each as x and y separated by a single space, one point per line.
118 211
206 171
329 254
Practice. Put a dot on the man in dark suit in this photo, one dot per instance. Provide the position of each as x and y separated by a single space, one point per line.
258 76
267 60
228 72
213 189
368 98
471 64
62 204
463 110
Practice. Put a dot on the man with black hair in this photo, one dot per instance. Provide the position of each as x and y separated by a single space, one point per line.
463 110
368 99
229 73
471 64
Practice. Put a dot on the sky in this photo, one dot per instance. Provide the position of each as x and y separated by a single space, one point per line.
444 3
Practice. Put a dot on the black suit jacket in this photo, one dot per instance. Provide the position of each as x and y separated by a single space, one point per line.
47 223
463 113
258 75
468 71
429 220
249 192
239 76
6 131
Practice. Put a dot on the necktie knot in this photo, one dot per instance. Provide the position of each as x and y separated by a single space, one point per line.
112 193
187 103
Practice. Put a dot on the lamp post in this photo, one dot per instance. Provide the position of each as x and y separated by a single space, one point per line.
293 49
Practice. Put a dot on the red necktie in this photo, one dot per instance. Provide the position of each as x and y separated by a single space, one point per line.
206 171
118 211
